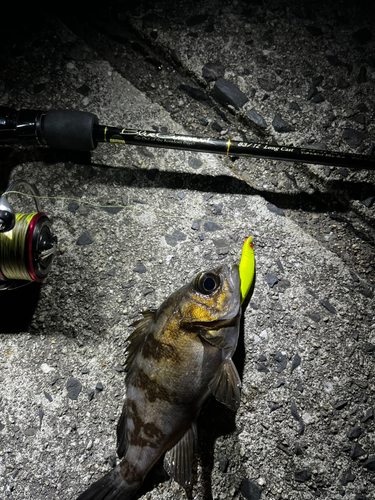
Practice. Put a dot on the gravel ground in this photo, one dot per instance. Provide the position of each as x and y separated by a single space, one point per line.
305 426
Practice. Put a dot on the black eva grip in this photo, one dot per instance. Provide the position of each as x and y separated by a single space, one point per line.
64 129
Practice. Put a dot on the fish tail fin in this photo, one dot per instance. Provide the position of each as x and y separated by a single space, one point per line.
111 487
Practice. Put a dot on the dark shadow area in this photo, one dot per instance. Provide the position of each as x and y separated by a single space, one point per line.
222 184
18 307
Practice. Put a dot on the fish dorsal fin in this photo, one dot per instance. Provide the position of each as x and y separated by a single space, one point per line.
178 460
136 338
226 384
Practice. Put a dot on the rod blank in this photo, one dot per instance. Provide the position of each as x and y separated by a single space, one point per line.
232 148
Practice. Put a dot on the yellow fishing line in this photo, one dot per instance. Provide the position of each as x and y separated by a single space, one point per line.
168 216
13 249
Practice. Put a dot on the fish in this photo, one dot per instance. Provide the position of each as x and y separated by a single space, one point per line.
177 357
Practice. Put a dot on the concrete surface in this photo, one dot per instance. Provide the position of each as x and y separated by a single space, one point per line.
305 427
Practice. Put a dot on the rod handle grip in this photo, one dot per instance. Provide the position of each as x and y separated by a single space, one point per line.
65 129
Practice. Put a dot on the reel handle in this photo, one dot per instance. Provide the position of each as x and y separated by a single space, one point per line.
60 129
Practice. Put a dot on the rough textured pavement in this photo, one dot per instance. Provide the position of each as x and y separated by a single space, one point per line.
305 427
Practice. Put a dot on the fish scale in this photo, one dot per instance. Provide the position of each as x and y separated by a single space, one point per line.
177 356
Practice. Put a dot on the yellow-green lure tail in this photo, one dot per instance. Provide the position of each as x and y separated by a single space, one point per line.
247 267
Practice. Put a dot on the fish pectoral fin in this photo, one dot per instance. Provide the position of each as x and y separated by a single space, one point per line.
178 460
122 440
224 338
226 384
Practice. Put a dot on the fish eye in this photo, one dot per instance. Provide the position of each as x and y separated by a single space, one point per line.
207 283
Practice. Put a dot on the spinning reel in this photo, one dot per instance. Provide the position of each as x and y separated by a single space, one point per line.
27 244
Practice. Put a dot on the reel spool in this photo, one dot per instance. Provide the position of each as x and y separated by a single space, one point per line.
27 244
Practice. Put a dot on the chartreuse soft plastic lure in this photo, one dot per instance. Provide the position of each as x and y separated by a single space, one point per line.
247 267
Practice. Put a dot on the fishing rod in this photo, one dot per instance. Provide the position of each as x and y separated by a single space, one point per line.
80 130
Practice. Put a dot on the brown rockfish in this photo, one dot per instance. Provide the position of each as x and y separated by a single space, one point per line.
177 357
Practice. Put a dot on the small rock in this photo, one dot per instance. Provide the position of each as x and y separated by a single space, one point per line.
195 93
90 394
274 407
212 71
266 85
256 118
317 80
369 415
297 449
222 246
73 207
111 272
347 477
299 386
295 363
271 280
302 475
369 347
340 405
314 316
293 105
215 126
250 490
369 464
357 451
99 386
84 90
227 93
262 369
368 202
262 358
353 138
280 125
196 225
312 92
48 396
342 83
279 265
275 210
211 226
175 238
318 98
328 306
217 209
41 415
281 362
354 432
223 462
140 268
85 239
195 162
74 387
